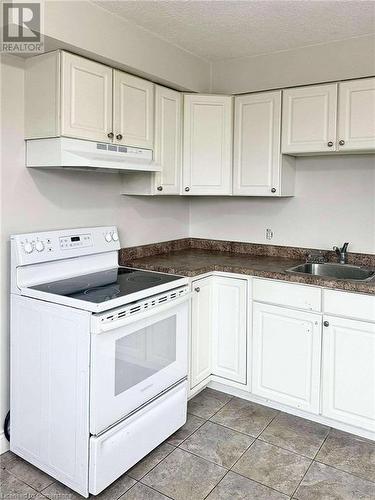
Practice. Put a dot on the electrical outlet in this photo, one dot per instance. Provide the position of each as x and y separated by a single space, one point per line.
269 234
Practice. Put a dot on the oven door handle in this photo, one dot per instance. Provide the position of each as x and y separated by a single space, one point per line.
98 327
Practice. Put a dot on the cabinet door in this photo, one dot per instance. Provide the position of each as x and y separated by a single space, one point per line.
349 372
207 168
229 329
257 144
286 356
133 111
357 115
168 140
309 119
201 329
86 100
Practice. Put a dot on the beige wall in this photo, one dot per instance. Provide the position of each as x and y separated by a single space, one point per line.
334 202
89 30
352 58
41 200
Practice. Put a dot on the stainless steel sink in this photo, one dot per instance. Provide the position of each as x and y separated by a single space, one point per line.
338 271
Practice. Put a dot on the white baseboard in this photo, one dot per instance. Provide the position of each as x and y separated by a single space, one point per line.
4 443
287 409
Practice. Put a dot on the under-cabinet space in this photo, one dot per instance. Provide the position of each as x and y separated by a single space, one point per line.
219 330
349 371
286 356
229 332
201 330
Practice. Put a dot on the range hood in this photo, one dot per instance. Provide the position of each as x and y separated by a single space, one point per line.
64 152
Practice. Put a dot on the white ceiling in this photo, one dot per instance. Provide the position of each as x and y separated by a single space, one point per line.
217 29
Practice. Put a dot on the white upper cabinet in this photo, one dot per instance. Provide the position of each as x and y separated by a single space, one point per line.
349 371
229 328
67 95
309 119
167 152
207 144
356 121
286 356
259 168
86 94
133 111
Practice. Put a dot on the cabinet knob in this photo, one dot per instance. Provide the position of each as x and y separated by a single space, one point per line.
197 289
326 323
341 142
160 188
110 135
118 137
273 190
187 189
330 144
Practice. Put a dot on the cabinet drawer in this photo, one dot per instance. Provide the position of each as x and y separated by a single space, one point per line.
350 305
121 447
287 294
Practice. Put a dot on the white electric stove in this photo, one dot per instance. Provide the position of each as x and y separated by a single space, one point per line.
98 356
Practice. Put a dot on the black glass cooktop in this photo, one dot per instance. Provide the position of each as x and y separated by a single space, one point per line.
106 285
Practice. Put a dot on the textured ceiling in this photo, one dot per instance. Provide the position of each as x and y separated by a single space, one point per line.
216 29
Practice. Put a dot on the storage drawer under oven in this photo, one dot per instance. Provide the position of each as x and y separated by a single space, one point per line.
121 447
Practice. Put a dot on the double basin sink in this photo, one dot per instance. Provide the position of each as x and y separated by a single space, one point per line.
337 271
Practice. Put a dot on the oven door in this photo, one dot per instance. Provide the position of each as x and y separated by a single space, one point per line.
135 362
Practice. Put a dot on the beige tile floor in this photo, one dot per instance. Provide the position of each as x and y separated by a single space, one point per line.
229 449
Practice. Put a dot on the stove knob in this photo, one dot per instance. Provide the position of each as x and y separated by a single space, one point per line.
28 247
108 237
39 245
115 237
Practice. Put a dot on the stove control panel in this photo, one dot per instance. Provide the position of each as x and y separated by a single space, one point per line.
75 241
56 245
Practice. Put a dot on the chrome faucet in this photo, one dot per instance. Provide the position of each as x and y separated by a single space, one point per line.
342 253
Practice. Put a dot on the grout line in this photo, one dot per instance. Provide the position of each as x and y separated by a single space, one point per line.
152 468
216 485
239 458
231 429
312 462
345 471
28 484
148 486
263 440
187 437
21 481
261 484
206 459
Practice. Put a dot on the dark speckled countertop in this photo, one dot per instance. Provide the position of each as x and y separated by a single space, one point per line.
179 257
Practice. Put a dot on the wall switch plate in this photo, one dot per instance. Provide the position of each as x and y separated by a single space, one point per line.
269 234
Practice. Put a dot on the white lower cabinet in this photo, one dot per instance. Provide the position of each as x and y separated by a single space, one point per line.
229 328
201 327
286 356
349 371
219 329
302 351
